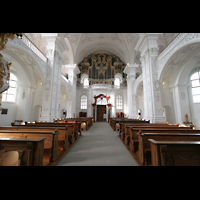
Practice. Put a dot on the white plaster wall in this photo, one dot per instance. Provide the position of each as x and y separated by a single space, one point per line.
6 120
90 99
63 105
176 92
167 102
140 106
196 115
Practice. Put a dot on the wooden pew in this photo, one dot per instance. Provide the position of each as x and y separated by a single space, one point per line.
77 127
30 150
122 125
87 120
144 152
126 128
62 136
113 121
51 150
70 127
71 122
58 122
134 131
175 153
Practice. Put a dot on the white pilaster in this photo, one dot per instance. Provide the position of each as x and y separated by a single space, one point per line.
130 70
51 98
151 85
72 71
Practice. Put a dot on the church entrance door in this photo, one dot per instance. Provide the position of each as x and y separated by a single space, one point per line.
101 110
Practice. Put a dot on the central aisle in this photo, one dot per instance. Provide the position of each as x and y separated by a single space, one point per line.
99 146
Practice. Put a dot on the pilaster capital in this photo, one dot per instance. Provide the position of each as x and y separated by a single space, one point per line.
130 69
72 69
153 44
50 47
153 52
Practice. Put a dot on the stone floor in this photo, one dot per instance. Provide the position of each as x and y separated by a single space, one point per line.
99 146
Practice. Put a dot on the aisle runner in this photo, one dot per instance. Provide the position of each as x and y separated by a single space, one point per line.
99 146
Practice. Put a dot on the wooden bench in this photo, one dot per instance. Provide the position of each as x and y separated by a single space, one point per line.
62 136
65 123
87 120
113 121
175 153
77 127
51 150
58 123
131 137
70 127
76 123
126 128
30 150
144 151
122 125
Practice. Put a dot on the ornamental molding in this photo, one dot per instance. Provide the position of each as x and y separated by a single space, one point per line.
22 46
180 41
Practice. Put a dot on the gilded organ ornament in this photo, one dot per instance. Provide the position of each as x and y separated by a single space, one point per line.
101 68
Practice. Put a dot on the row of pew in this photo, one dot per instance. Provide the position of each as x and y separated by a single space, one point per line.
157 144
113 121
40 143
87 121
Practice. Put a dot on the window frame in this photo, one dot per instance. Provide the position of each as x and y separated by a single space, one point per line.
84 82
6 93
83 102
117 81
191 80
119 102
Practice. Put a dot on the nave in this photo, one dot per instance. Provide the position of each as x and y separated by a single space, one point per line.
99 146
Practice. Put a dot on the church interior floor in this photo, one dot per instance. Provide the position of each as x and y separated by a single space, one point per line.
99 146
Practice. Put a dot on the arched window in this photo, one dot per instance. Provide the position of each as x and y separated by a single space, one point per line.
195 82
119 103
117 81
84 102
85 81
10 94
